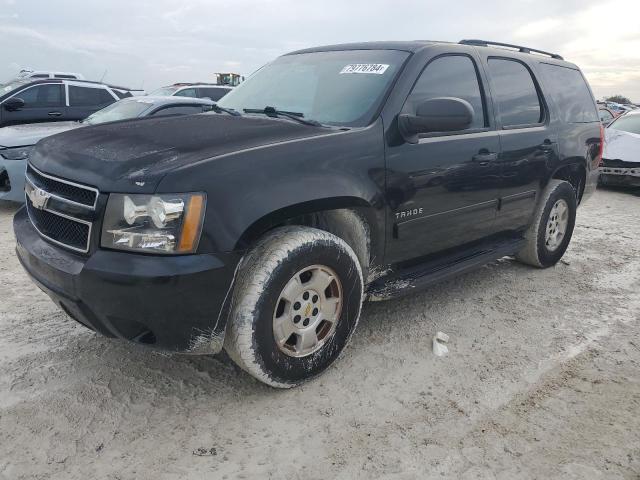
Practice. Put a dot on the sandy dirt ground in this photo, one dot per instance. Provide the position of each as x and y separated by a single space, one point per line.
542 381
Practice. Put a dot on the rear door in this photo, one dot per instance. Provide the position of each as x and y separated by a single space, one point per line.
44 102
85 100
528 143
443 191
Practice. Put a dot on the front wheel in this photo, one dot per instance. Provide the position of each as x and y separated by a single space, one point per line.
549 235
295 305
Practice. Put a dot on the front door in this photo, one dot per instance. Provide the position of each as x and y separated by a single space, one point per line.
442 192
42 103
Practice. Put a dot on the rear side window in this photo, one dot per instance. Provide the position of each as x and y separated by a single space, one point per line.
570 92
178 110
450 76
42 96
187 92
605 116
515 93
214 94
89 97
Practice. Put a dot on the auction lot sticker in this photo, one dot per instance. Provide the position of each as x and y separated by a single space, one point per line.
375 68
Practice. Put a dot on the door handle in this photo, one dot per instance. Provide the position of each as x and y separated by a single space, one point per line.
54 114
484 157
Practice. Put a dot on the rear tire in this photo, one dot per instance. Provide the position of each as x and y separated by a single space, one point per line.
286 326
550 232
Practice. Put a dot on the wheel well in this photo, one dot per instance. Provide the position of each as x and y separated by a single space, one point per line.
576 175
349 224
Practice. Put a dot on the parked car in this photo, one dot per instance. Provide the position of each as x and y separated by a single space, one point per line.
32 101
36 74
606 115
330 175
621 156
194 90
17 141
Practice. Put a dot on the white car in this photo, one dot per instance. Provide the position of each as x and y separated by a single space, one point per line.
48 74
621 156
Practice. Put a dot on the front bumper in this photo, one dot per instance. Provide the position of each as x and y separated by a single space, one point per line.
175 303
12 179
623 176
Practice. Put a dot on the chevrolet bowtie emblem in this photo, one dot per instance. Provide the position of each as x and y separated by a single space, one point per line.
38 197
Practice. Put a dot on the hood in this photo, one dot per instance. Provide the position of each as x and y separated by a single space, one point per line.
619 145
32 133
133 156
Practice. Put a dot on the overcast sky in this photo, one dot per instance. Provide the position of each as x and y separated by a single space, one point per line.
150 43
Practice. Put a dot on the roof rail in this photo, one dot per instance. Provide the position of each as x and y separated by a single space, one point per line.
487 43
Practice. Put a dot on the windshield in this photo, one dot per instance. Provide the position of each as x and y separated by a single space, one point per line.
12 85
629 123
342 88
121 110
164 92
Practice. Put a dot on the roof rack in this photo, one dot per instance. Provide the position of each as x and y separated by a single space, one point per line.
487 43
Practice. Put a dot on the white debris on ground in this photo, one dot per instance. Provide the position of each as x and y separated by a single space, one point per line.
544 383
439 344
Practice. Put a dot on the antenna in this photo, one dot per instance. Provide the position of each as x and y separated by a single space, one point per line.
103 75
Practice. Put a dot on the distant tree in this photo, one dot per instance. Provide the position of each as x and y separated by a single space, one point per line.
618 99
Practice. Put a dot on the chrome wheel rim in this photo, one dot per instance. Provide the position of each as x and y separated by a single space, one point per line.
557 225
307 311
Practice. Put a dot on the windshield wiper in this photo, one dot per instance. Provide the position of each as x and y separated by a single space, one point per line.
272 112
218 109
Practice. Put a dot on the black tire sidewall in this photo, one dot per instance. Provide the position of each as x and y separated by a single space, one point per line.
292 370
565 192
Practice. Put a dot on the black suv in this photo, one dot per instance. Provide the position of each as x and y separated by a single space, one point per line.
52 100
331 175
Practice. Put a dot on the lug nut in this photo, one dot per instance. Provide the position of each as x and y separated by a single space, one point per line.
305 295
315 312
315 299
296 319
296 306
306 322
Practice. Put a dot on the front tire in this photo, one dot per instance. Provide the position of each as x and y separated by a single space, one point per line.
296 303
549 235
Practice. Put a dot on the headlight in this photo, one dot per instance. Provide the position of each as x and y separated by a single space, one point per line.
167 223
18 153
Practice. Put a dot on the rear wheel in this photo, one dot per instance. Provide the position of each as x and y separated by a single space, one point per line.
296 303
549 235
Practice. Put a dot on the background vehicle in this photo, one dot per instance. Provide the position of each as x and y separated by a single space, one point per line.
261 228
39 74
16 142
32 101
230 79
621 156
194 90
606 115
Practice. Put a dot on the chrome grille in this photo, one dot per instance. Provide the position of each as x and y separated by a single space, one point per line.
64 189
61 211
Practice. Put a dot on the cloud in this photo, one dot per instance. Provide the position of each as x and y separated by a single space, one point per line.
162 41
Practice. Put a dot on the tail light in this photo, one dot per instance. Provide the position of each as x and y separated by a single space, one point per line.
601 149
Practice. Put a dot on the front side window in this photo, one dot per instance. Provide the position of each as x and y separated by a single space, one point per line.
42 96
188 92
89 97
515 93
342 88
449 76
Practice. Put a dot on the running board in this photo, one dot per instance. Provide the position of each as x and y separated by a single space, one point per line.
407 281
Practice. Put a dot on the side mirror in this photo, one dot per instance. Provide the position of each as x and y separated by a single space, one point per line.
445 114
13 104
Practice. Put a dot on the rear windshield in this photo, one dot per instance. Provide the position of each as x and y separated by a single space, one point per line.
627 123
569 89
13 85
121 110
